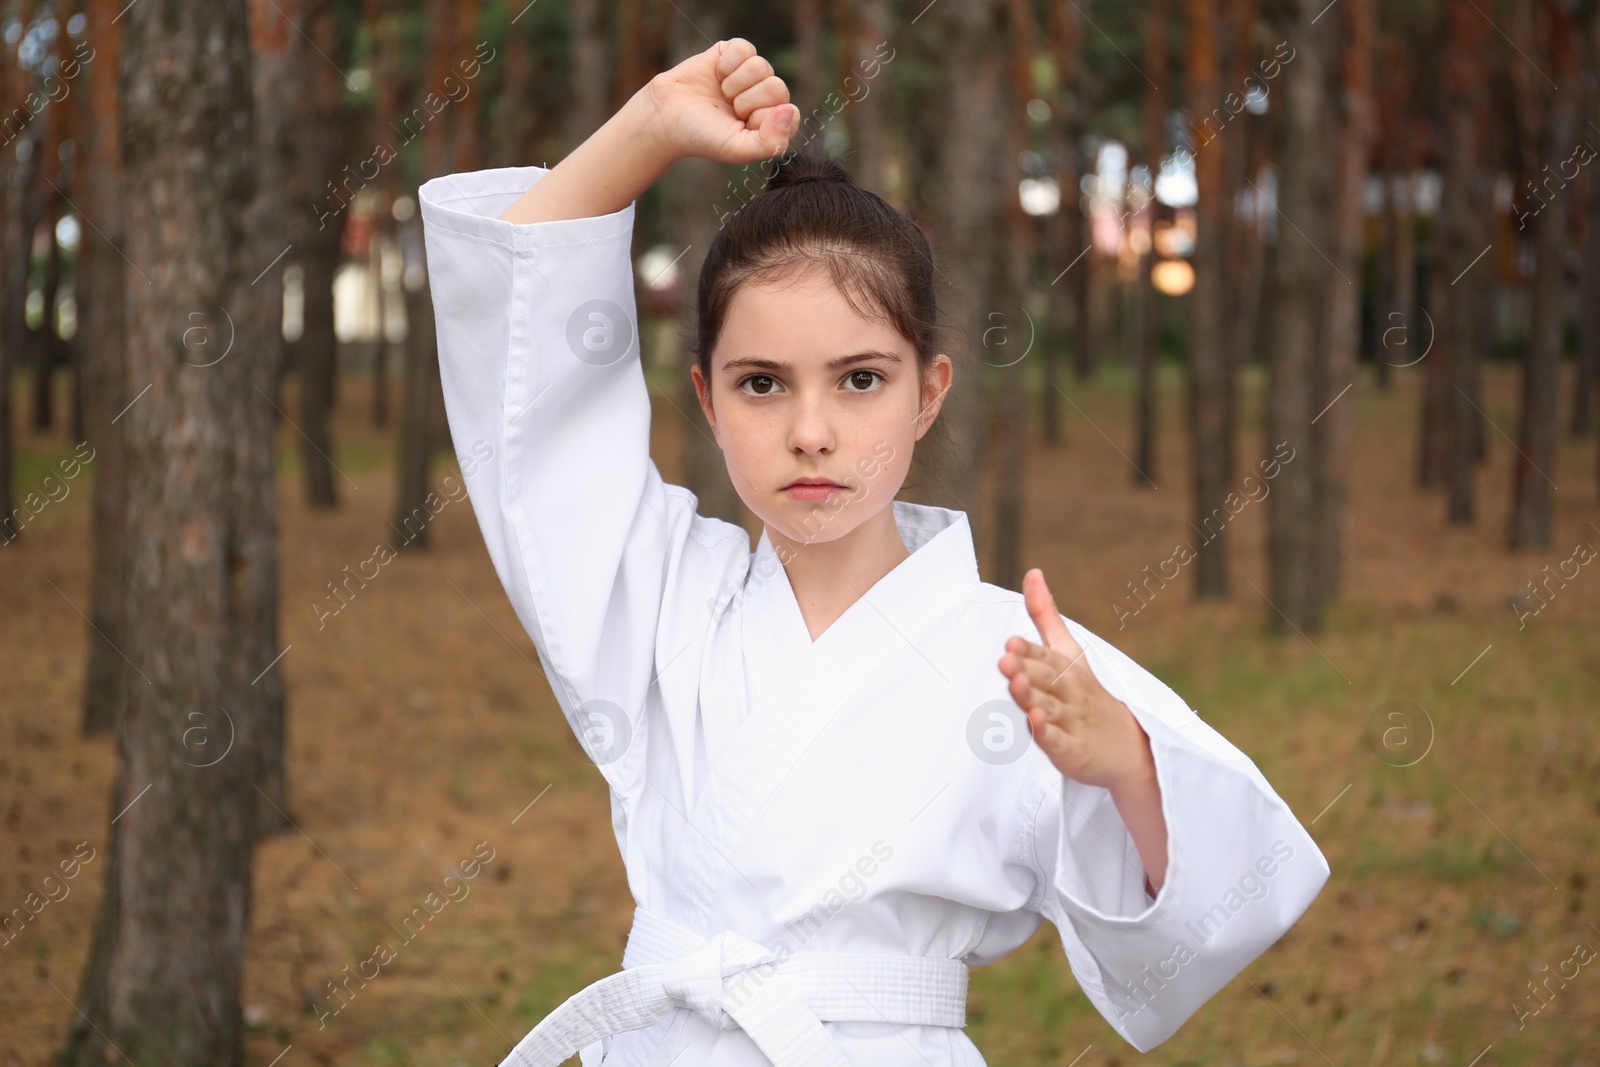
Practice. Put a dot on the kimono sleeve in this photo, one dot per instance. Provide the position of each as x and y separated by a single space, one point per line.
550 419
1240 867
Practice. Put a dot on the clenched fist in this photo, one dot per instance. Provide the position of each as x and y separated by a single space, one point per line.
724 104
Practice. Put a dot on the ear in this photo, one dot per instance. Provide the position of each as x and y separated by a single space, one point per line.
935 386
702 393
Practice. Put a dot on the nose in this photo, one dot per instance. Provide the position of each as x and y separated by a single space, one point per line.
811 430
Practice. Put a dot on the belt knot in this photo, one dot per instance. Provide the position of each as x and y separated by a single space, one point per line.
696 979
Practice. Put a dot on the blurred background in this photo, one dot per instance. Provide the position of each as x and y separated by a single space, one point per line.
1277 335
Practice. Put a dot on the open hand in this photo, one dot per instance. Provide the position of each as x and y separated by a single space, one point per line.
724 104
1089 735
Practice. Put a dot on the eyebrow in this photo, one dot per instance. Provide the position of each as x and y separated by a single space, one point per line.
759 363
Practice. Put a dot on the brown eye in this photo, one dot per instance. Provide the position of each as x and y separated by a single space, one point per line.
759 378
870 377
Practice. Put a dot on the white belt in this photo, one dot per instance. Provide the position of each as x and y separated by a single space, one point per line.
734 982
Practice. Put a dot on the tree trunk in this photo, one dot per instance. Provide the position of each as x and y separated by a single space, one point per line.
1062 232
1211 386
1246 340
1331 427
199 441
1586 392
102 278
806 92
410 523
1011 488
1291 339
1534 464
1242 240
1432 440
1464 202
17 162
1070 287
44 342
280 91
388 73
868 130
1145 338
947 462
318 206
591 69
422 389
521 114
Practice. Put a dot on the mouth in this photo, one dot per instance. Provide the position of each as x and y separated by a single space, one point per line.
812 488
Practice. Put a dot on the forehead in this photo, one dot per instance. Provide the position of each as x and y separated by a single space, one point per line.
801 318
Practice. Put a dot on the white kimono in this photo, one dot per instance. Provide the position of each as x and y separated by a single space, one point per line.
820 837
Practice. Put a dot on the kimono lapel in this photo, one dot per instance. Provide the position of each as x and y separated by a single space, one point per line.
801 685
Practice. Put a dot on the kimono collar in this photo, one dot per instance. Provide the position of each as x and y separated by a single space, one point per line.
942 569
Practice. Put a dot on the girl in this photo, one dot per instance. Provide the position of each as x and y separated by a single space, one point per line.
829 797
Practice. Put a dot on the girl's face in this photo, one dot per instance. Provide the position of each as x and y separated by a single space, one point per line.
803 388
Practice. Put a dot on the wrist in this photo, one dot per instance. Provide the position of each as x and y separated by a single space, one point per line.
1139 776
639 126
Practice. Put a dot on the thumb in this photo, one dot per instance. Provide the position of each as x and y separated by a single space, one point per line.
1046 617
771 128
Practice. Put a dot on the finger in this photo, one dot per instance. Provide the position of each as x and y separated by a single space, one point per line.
1050 674
1027 695
731 53
769 92
1046 617
1055 741
752 71
1035 662
767 132
762 115
1058 664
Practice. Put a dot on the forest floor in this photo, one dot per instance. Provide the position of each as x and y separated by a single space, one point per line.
420 729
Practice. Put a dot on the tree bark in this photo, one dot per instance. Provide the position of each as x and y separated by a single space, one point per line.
1463 203
1332 425
1065 234
1011 489
947 461
199 444
103 275
1146 336
1399 337
1291 340
866 117
1211 383
280 92
591 70
22 154
410 523
1534 464
15 163
806 92
318 206
44 343
1586 392
1246 245
422 389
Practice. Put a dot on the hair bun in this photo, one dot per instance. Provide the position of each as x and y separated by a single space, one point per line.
805 167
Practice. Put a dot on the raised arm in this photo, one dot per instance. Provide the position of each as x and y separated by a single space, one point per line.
532 284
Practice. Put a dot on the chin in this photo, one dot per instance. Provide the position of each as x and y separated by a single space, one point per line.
816 523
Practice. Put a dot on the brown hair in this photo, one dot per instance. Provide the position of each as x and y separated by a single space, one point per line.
811 213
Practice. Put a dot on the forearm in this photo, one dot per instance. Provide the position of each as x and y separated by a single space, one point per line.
1139 803
606 173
